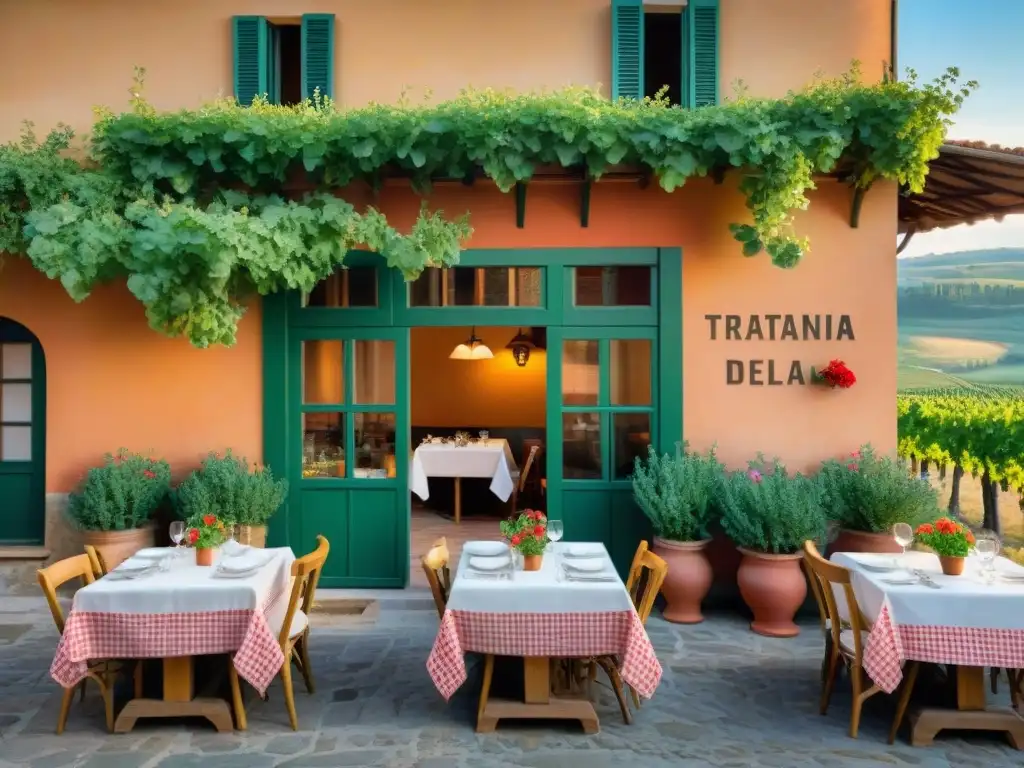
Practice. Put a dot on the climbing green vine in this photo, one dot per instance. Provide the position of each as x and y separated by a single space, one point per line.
155 200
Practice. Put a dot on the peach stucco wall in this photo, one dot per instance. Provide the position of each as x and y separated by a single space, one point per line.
82 54
112 382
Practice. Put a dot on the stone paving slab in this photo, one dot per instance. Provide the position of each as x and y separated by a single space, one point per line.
728 698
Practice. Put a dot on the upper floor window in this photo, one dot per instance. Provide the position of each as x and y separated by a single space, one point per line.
285 60
658 46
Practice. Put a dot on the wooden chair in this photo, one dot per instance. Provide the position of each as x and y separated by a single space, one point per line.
103 672
99 565
646 575
533 481
523 477
823 615
435 566
1015 677
848 643
293 634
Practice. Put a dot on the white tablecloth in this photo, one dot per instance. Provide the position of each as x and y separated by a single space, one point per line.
539 591
962 601
189 588
492 459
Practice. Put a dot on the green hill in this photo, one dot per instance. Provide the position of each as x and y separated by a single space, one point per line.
961 318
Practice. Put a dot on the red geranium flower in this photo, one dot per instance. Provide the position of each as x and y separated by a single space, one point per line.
538 531
209 519
149 474
516 539
193 535
925 528
836 374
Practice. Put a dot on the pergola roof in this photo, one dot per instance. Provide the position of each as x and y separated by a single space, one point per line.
969 181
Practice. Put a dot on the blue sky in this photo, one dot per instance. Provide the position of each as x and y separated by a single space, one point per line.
985 39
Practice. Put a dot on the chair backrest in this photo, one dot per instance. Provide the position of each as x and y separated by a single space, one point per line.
99 565
816 590
52 577
435 566
527 465
305 575
830 577
646 575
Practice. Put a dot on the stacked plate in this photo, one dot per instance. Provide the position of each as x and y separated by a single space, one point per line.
241 566
1012 577
587 565
583 552
135 567
488 557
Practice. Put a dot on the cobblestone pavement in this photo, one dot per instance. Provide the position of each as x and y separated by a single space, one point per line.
728 698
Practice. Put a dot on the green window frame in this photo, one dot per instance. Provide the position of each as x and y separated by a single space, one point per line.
257 64
700 51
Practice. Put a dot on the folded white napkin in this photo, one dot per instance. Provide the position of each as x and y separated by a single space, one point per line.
232 548
136 564
247 561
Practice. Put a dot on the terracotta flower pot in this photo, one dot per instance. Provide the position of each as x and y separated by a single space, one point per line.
205 555
117 546
688 580
863 541
253 535
532 562
952 566
774 588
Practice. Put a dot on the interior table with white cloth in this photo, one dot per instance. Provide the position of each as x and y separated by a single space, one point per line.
958 621
175 614
479 458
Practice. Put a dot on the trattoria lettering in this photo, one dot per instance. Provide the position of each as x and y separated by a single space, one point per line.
765 372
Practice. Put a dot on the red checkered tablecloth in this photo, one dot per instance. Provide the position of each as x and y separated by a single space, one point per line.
559 635
103 635
889 645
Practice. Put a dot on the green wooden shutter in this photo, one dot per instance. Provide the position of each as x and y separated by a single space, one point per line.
700 52
627 49
318 54
251 39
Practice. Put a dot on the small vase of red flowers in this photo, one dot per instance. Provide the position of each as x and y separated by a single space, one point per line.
835 374
951 542
527 533
205 534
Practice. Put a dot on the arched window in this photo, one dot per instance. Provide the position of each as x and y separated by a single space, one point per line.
22 436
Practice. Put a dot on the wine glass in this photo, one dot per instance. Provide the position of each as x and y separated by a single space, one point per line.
177 534
987 548
555 533
904 536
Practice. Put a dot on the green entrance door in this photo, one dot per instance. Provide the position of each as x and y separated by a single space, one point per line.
602 399
22 436
351 443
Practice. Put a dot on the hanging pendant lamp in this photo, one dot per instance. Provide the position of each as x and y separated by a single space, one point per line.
521 345
472 348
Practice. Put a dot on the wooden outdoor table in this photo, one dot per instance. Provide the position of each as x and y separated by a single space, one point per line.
178 700
971 713
539 702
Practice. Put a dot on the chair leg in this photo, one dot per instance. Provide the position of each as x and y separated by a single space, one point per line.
137 679
107 691
993 677
65 708
635 696
1016 686
485 689
904 701
613 675
829 680
860 695
237 703
81 691
289 694
307 671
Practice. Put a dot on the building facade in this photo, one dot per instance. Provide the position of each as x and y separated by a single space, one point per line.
653 326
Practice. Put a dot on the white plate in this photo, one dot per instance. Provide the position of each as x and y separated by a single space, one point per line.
136 566
236 565
153 553
586 565
495 563
901 580
879 566
235 574
485 548
583 550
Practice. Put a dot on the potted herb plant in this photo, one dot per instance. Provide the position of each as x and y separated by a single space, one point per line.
867 494
681 495
769 514
113 506
205 534
950 540
527 533
227 487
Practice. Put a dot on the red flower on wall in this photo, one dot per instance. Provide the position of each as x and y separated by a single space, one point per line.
836 374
